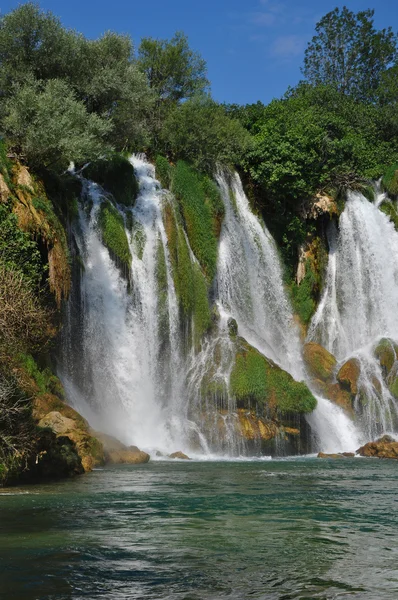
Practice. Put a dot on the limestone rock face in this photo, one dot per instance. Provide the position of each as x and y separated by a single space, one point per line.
117 453
179 455
338 455
319 362
52 413
323 205
57 422
348 375
384 447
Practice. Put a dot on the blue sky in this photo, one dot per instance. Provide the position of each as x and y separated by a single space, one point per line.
253 48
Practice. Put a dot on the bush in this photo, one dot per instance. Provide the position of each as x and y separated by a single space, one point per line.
390 180
24 322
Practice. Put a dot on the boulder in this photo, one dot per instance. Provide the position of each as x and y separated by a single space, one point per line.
348 375
384 447
180 455
52 413
335 393
117 453
319 362
325 455
386 352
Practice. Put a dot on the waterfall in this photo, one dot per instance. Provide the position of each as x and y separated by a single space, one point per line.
128 375
130 362
360 304
250 283
250 288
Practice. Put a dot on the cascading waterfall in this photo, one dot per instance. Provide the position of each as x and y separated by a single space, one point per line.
126 361
250 288
360 304
127 378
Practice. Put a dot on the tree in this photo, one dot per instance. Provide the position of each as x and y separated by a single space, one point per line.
33 43
349 53
200 132
47 126
173 70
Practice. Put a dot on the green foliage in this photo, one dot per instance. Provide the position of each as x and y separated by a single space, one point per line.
349 53
163 171
18 252
116 175
256 379
174 71
390 180
303 301
45 380
200 132
113 234
390 209
197 210
49 127
189 281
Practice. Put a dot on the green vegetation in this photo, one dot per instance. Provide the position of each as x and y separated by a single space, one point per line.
163 171
113 234
390 180
200 132
390 209
303 301
116 175
349 53
197 210
189 281
257 380
45 380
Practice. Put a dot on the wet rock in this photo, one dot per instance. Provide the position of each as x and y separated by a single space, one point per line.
319 362
348 454
386 352
232 327
335 393
52 413
117 453
384 447
180 455
348 375
325 455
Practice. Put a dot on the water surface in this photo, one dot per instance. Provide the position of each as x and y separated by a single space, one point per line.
287 529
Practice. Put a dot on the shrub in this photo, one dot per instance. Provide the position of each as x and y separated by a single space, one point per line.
390 180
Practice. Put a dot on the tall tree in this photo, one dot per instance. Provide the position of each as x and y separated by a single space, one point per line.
349 53
173 70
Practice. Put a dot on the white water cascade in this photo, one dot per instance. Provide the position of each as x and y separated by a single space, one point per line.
124 378
360 305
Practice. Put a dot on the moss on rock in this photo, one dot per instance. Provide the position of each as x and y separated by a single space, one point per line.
348 375
114 235
117 176
258 380
386 352
319 362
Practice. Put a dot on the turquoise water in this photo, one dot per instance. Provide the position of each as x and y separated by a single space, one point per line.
287 529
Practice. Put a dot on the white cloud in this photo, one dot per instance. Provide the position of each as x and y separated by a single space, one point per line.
288 46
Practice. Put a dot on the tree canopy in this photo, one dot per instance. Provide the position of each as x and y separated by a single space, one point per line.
349 53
